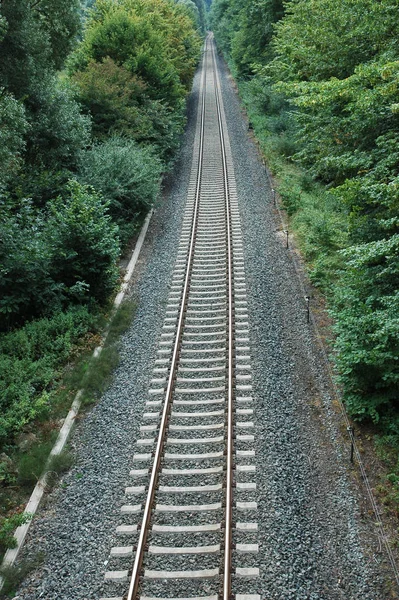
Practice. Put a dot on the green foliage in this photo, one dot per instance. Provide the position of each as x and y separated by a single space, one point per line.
99 374
119 104
36 40
60 21
244 30
31 359
14 576
7 528
191 9
347 126
26 285
58 130
36 36
50 259
127 175
31 464
319 39
202 16
367 308
84 244
154 39
101 367
13 126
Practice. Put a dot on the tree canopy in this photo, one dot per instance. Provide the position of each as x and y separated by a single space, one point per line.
324 76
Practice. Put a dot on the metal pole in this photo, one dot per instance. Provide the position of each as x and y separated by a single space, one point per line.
352 436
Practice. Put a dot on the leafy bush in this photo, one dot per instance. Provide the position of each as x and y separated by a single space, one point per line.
26 286
7 528
13 126
51 259
84 244
154 39
366 309
58 130
31 464
318 40
127 175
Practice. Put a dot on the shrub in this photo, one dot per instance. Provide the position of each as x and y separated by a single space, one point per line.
366 308
13 126
58 129
26 287
84 244
50 260
127 175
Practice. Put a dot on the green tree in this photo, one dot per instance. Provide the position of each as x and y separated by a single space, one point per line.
26 286
119 104
244 31
13 127
35 40
84 244
320 39
153 39
367 325
39 34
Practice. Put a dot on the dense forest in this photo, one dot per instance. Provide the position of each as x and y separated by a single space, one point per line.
92 106
320 81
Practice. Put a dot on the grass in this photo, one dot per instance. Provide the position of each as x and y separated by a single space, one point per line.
99 370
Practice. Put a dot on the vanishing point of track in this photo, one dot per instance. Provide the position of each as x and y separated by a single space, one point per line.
187 538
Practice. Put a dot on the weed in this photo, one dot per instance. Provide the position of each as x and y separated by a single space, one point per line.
31 465
121 321
100 368
307 182
290 193
59 464
13 576
99 374
285 145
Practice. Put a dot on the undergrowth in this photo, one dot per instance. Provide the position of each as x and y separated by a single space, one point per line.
23 459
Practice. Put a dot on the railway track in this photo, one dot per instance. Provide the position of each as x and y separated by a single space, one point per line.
189 522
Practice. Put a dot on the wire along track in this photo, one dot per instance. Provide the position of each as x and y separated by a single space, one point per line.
185 534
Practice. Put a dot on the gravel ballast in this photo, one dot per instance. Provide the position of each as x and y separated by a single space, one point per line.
315 542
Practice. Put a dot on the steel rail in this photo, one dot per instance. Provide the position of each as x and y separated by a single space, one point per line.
226 591
137 566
